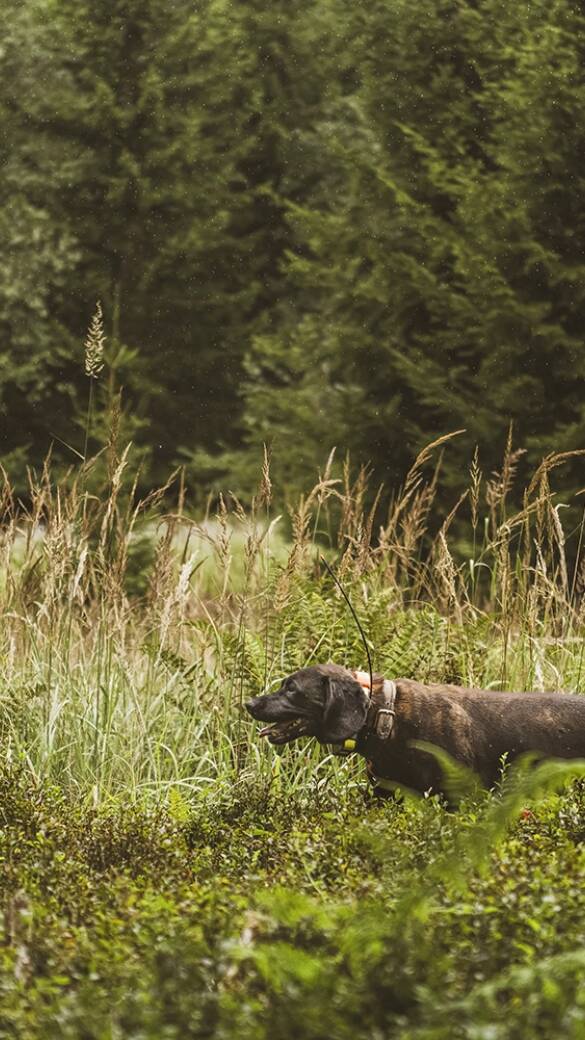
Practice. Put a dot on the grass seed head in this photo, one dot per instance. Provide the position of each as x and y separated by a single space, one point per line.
94 344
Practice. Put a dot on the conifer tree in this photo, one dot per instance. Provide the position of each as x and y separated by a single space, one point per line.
528 220
172 137
380 313
437 271
37 256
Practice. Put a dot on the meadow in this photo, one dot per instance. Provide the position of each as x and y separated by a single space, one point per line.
166 874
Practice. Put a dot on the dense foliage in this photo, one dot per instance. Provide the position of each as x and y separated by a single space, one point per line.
345 224
254 913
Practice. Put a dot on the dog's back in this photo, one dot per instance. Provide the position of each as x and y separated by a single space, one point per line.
478 727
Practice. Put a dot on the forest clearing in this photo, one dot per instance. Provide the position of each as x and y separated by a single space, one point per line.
291 325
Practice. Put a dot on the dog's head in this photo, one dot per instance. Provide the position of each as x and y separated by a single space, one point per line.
324 701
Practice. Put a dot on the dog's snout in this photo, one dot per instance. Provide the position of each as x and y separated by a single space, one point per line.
252 705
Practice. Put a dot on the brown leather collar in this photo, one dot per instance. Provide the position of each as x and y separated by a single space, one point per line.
382 706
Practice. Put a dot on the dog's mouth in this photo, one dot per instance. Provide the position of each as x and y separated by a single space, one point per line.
284 732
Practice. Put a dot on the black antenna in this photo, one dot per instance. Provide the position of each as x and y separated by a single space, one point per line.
356 619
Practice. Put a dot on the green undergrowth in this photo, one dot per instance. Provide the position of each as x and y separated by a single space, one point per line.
250 912
167 875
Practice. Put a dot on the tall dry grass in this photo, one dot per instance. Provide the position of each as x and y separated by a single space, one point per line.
132 632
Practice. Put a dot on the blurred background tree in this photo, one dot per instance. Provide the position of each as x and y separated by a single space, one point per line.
309 225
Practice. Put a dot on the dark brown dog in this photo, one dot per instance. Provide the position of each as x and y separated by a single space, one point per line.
475 727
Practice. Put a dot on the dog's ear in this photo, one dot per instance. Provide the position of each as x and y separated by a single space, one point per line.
345 709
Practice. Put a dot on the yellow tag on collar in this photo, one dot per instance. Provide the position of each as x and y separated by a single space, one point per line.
349 745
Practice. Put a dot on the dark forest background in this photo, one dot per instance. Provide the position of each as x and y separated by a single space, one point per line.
309 224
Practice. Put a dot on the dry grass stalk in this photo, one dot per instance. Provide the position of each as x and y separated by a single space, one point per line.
413 523
503 573
112 449
475 489
161 581
579 581
550 462
222 545
347 504
265 491
413 481
110 513
301 521
355 527
453 588
511 459
94 344
182 494
499 487
560 540
325 477
365 558
446 571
